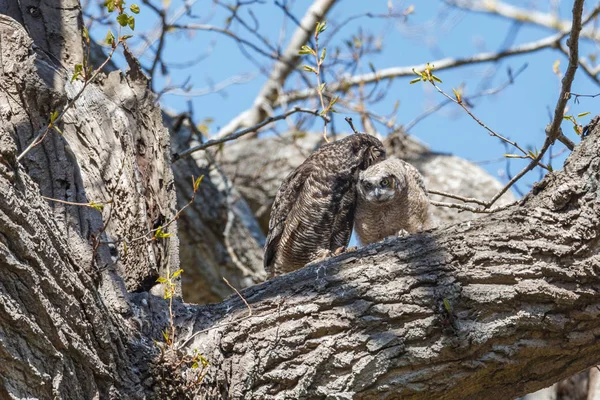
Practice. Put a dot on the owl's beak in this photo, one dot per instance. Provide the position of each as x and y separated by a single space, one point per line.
378 194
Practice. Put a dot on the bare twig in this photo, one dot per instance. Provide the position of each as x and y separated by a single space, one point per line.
281 70
349 121
472 209
457 197
446 63
522 15
488 92
553 129
233 136
241 297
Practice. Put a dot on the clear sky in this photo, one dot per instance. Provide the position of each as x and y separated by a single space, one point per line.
433 31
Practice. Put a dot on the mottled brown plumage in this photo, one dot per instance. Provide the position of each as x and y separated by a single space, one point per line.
392 199
314 208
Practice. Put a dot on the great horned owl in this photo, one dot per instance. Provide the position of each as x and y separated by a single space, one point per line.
314 208
392 198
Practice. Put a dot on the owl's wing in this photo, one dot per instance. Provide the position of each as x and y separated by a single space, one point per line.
282 206
414 173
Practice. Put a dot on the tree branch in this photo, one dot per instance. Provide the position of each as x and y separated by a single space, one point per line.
530 16
243 132
264 101
474 310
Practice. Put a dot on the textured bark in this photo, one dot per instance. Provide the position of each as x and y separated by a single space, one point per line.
68 328
113 148
218 233
523 285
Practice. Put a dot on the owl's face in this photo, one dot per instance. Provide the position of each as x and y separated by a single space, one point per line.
380 188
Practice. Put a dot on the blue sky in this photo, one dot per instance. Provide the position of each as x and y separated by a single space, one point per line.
433 31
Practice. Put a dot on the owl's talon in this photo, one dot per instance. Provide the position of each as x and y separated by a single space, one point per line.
321 255
402 232
339 251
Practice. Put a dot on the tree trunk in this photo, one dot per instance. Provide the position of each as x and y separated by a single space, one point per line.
492 308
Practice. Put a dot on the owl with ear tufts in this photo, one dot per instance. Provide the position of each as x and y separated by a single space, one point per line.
313 212
392 200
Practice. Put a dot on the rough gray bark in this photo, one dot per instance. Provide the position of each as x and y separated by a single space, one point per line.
113 148
523 284
69 330
218 233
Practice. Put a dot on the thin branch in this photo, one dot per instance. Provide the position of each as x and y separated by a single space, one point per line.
255 128
226 32
281 70
489 92
553 130
235 80
241 297
472 209
457 197
443 64
461 103
521 15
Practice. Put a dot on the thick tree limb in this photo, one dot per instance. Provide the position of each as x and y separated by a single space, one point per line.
530 16
522 284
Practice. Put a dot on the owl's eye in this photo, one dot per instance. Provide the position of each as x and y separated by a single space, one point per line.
367 185
385 182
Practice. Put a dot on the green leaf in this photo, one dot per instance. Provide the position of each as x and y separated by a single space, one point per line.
165 334
309 68
176 273
195 365
204 361
53 116
323 53
86 34
576 129
168 294
125 248
57 129
333 101
131 22
306 50
415 80
97 206
134 8
435 78
125 37
321 26
161 279
123 19
197 182
457 94
110 5
321 87
583 114
78 71
447 305
110 38
159 234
